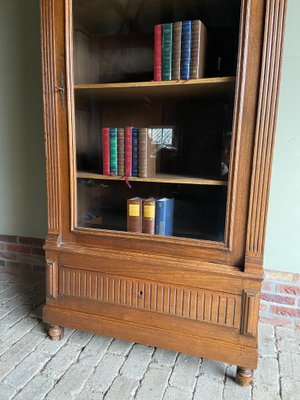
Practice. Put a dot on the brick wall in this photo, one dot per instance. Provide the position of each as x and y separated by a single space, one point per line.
17 251
280 298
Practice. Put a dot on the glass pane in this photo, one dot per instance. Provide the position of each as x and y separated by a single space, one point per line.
153 152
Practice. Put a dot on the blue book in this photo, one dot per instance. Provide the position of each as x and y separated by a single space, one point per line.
164 216
186 41
113 135
135 152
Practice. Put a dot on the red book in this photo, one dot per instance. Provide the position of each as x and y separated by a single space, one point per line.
157 52
106 151
128 151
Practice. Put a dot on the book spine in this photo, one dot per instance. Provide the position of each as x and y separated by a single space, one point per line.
186 50
106 151
157 52
169 217
167 42
148 217
128 151
198 46
121 157
147 154
164 217
134 215
177 33
135 152
114 151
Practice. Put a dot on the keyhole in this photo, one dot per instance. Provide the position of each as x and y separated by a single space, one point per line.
141 293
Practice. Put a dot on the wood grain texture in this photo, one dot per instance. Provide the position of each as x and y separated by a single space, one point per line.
250 310
170 339
52 278
50 115
265 130
196 304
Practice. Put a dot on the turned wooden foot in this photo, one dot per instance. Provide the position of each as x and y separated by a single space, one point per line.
244 377
56 332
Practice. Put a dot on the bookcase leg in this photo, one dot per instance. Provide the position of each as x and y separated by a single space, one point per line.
244 377
56 332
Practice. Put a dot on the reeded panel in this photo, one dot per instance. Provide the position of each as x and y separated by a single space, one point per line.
195 304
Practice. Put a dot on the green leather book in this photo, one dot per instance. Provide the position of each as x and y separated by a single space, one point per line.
167 40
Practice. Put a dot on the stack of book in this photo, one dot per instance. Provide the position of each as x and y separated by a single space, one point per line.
179 50
128 152
153 216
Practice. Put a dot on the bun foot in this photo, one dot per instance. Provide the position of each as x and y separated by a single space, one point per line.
244 377
56 332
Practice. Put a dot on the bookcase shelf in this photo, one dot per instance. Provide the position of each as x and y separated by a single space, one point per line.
207 87
159 178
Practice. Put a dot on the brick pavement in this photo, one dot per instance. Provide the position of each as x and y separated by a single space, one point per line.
87 367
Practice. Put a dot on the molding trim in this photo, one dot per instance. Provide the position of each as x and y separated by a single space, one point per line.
250 313
50 114
265 131
52 278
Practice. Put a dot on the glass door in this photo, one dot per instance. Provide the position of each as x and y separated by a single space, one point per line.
154 99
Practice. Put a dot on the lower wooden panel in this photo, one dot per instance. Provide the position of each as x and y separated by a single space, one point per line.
151 336
195 304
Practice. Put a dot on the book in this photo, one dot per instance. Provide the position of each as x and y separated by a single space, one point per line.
121 158
198 50
147 154
135 152
167 42
134 214
148 216
186 50
176 56
106 151
164 216
157 52
128 151
113 137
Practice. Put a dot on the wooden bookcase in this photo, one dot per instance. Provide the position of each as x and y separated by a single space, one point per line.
198 290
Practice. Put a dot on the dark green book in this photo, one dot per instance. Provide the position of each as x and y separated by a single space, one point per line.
167 40
113 133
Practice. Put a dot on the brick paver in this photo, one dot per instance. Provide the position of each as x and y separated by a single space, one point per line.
83 366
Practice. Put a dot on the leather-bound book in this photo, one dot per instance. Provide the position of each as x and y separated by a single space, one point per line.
198 50
106 151
128 151
113 151
135 152
121 155
157 52
148 216
164 216
167 44
177 33
186 50
147 154
134 214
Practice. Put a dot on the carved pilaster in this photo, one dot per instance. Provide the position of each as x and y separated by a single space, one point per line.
250 311
50 115
52 278
265 131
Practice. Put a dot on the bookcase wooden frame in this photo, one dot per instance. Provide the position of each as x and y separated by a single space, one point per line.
206 293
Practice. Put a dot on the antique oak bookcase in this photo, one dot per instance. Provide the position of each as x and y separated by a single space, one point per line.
196 291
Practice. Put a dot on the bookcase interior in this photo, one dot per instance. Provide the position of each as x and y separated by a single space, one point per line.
113 44
199 210
113 41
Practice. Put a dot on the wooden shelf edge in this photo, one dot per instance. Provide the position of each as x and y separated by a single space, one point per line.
160 178
127 85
